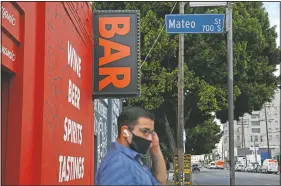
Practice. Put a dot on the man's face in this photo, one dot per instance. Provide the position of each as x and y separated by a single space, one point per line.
144 128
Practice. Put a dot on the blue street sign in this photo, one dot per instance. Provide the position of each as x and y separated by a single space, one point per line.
194 23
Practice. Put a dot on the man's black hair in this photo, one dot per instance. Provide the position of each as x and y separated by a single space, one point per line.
130 116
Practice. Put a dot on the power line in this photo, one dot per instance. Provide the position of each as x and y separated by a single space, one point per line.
155 41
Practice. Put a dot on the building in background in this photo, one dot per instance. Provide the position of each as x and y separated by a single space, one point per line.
250 131
218 151
197 158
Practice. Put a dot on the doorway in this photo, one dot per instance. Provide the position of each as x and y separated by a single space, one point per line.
5 88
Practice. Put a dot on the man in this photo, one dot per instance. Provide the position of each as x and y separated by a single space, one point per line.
122 165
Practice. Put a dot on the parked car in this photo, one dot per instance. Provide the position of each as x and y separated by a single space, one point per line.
195 168
212 165
239 167
249 168
220 164
270 166
257 169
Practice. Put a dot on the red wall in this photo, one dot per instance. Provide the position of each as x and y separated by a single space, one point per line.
39 91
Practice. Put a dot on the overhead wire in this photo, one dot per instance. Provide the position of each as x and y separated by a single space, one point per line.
155 41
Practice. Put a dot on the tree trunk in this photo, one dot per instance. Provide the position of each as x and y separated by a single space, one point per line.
172 143
171 139
187 116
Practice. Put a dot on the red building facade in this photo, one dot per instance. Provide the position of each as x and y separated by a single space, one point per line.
46 85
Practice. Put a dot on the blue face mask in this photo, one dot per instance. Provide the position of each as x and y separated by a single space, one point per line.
139 144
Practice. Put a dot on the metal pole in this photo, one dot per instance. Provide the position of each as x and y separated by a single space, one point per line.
230 94
243 137
267 138
180 127
222 149
280 103
255 150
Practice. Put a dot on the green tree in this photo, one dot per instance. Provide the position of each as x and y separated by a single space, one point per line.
255 59
203 138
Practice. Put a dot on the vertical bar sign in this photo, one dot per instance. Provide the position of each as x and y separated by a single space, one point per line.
116 53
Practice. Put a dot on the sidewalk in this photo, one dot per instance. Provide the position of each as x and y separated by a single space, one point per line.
172 183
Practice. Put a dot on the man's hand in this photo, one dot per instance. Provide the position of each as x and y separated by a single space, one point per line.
158 161
154 147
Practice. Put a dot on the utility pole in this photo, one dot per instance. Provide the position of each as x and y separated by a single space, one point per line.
255 150
230 93
280 101
180 127
222 151
267 138
243 137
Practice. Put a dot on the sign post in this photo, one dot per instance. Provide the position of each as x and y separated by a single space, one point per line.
192 24
230 92
280 103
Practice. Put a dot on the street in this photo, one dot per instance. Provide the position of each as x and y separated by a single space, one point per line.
221 177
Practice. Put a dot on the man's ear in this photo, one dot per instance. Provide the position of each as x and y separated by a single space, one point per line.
124 131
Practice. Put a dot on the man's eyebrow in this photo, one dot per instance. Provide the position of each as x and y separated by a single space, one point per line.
145 128
148 129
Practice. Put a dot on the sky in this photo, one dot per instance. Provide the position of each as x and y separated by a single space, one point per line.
273 9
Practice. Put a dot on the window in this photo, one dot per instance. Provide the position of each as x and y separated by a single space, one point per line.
255 116
238 138
251 138
256 130
226 125
277 137
261 139
225 140
270 137
255 123
256 138
276 122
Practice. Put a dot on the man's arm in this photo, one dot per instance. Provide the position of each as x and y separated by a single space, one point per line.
158 162
116 172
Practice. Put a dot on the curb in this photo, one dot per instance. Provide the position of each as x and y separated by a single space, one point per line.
172 183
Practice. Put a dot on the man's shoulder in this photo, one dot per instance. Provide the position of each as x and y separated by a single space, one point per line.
113 155
114 160
116 168
116 157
